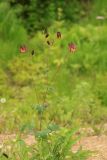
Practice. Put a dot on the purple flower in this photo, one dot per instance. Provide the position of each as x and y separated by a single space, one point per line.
72 47
23 49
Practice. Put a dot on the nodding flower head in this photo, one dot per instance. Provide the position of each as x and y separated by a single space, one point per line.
50 43
23 49
58 34
32 52
72 47
47 35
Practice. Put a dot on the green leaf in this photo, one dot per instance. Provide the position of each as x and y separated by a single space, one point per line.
53 127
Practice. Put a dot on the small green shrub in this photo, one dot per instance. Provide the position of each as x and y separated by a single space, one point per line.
50 144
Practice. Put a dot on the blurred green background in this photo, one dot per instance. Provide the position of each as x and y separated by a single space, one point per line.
79 93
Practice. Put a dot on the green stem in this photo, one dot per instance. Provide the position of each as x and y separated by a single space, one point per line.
54 76
40 122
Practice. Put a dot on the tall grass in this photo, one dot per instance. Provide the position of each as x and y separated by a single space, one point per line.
12 34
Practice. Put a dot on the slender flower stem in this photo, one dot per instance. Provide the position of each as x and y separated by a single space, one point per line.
36 93
40 122
58 69
37 97
55 75
38 102
47 77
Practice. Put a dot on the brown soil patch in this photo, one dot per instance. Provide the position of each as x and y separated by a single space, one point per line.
98 144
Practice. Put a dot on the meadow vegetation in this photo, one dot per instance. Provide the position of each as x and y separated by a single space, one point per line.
75 96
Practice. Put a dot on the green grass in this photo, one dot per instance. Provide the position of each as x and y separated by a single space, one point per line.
11 31
38 96
77 87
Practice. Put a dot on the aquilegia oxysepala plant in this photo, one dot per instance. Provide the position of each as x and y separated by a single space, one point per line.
71 46
40 107
50 145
